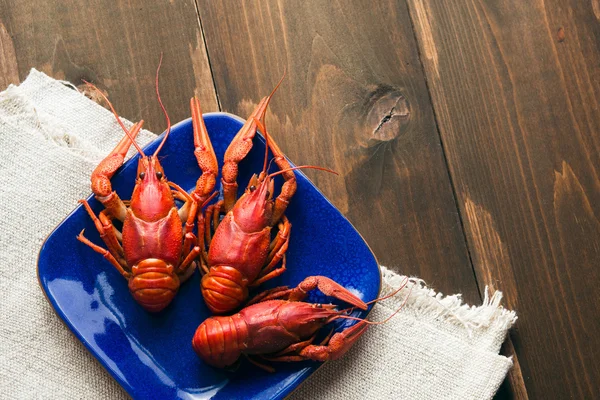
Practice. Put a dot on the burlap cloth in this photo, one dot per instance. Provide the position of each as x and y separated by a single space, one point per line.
51 138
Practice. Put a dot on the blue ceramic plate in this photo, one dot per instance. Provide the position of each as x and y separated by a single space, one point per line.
151 355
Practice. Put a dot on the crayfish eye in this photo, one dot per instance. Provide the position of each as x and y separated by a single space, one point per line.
252 188
267 196
142 175
159 175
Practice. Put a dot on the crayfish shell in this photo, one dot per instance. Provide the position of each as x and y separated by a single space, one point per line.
153 284
224 289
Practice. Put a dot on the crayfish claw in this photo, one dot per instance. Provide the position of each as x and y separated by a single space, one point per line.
339 344
329 287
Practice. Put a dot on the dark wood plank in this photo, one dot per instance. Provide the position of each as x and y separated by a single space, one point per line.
115 44
513 386
515 86
354 99
8 60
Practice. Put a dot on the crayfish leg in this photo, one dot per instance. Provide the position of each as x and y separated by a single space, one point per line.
212 217
278 292
338 345
259 364
294 348
189 255
105 253
278 246
273 274
108 233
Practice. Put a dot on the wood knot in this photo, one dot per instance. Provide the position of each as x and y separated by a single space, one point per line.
387 115
560 35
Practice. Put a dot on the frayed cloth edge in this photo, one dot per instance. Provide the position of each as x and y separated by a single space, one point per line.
428 303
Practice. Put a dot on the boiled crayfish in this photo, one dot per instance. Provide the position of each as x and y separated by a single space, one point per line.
241 254
279 326
157 249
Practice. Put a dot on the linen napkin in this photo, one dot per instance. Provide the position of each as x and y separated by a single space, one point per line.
52 137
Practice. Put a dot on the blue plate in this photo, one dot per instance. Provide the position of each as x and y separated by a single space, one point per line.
151 355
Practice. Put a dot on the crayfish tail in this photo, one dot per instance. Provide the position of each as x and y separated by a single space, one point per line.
224 289
219 341
153 284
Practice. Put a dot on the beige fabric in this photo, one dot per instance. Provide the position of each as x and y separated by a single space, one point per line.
435 348
51 138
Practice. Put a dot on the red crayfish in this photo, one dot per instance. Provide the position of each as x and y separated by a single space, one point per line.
241 253
156 249
278 326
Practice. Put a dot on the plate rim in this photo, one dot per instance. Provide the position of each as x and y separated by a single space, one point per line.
63 319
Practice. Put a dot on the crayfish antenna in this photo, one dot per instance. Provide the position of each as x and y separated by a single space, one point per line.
377 300
302 167
270 163
395 292
262 127
275 89
137 147
264 130
163 109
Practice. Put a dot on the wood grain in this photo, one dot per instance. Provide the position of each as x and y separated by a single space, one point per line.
116 45
514 90
354 99
8 59
515 87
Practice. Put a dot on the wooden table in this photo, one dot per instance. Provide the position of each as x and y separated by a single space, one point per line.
465 132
